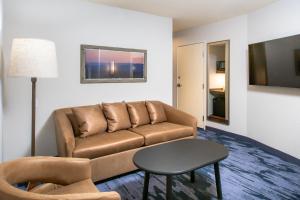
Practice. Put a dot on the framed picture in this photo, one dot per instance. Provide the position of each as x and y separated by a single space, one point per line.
112 65
220 66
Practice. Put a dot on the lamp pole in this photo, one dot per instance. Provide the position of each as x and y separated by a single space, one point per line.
33 109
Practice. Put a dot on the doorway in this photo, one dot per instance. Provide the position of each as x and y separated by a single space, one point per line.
190 80
218 81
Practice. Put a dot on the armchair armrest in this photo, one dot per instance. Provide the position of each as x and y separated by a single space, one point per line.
91 196
179 117
57 170
62 171
64 134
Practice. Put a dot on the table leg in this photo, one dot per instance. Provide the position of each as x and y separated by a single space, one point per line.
146 185
193 176
169 187
218 180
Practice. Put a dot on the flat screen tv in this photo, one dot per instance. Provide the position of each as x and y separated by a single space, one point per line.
275 62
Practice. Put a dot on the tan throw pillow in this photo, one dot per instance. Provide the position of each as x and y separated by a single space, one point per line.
90 120
156 112
138 113
117 116
74 124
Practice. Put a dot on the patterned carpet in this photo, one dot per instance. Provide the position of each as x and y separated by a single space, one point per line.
252 171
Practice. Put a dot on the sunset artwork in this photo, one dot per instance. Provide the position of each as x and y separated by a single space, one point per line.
113 64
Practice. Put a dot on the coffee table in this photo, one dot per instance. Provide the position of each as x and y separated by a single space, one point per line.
180 157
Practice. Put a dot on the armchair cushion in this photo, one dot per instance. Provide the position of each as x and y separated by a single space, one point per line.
117 116
162 132
105 144
156 112
138 113
84 186
90 120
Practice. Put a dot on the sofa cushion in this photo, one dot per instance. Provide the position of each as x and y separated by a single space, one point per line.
105 144
117 116
162 132
156 112
138 113
90 119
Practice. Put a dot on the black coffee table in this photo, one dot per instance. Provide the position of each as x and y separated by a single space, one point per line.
180 157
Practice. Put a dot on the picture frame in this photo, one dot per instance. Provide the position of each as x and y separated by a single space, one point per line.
220 66
102 64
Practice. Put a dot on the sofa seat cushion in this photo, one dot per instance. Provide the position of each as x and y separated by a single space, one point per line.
162 132
84 186
108 143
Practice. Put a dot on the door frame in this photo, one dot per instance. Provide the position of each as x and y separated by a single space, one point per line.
204 86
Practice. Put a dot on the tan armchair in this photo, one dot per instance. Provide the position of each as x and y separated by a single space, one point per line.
63 178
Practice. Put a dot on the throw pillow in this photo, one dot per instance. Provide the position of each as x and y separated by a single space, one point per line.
138 113
90 120
117 116
156 112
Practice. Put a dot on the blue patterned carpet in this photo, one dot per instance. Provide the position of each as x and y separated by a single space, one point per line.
252 171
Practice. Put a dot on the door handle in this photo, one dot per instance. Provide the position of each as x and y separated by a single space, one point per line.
179 85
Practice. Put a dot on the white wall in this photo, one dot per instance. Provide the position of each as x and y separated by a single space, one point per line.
273 113
267 114
235 30
70 23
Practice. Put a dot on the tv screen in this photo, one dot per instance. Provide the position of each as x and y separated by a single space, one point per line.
275 62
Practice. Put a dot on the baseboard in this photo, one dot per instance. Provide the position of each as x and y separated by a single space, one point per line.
276 152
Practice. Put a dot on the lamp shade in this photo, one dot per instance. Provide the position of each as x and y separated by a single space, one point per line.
33 58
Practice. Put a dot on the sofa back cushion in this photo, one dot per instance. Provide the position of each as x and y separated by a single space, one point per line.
90 120
117 116
156 112
138 113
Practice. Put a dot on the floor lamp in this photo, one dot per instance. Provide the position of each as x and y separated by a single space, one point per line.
33 58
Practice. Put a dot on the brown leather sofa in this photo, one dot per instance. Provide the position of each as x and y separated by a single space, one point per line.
63 178
111 152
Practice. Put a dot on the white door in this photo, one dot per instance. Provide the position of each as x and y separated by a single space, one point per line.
190 80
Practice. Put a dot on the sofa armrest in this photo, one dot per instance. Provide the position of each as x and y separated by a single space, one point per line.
64 134
179 117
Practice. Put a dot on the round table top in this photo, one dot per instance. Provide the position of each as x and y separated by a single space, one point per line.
179 157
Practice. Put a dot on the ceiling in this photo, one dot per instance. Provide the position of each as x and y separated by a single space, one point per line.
190 13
